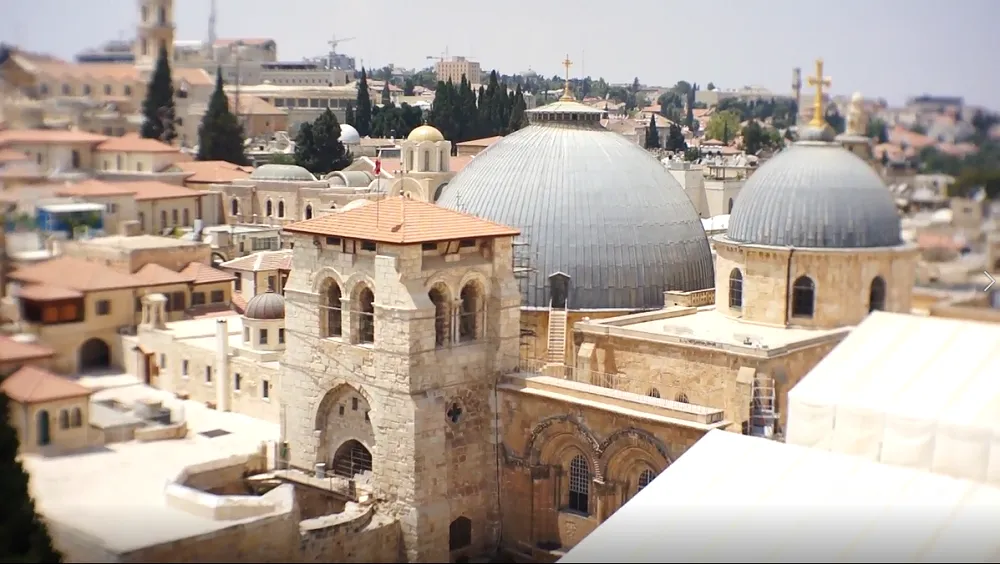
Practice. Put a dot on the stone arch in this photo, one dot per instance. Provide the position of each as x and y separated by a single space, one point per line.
438 191
344 414
803 297
268 208
628 448
321 275
475 276
460 533
352 284
351 459
472 306
281 208
234 207
362 312
877 294
440 296
555 434
331 316
218 258
94 354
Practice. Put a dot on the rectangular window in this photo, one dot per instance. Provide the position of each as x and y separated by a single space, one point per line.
272 283
265 389
281 336
138 305
198 298
208 374
103 307
354 404
246 334
262 337
218 296
333 241
368 246
238 283
184 368
178 301
237 380
429 246
466 243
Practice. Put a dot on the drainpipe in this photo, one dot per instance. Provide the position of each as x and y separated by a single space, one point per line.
788 287
222 382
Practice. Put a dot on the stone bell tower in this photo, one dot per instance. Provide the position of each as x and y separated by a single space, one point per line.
154 32
401 316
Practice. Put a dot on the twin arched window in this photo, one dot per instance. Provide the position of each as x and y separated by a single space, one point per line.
469 314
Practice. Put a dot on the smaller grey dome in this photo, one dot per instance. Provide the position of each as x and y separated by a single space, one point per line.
282 173
266 306
349 135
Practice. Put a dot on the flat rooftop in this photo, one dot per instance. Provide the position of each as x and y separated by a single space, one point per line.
240 229
115 493
139 242
707 327
205 327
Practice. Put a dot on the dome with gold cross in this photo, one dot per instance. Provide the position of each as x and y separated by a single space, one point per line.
591 205
815 194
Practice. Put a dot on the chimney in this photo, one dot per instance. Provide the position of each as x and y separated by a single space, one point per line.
223 394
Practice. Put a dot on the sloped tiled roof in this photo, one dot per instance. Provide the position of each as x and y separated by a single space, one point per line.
12 350
33 385
200 273
156 275
46 293
156 190
401 221
204 172
94 188
11 136
75 274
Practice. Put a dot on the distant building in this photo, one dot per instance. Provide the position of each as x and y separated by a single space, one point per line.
456 68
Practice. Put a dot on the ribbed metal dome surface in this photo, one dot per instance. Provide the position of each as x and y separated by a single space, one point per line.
815 194
281 173
591 204
269 305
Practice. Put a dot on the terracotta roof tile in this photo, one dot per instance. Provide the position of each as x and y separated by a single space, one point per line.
32 385
46 293
11 136
156 275
262 261
401 221
133 143
239 302
203 274
116 72
10 155
74 274
22 169
12 350
156 190
94 188
207 172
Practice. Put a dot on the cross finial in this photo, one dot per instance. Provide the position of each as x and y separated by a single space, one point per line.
567 92
818 81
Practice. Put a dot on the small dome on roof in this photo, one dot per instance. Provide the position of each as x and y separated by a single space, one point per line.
266 306
349 135
425 133
282 173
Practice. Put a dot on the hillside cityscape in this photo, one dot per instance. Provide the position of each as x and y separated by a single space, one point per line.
261 310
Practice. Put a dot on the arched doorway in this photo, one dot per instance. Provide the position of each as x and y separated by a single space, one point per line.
351 459
460 533
95 354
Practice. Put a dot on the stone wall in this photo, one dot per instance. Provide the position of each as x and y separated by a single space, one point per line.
370 537
534 342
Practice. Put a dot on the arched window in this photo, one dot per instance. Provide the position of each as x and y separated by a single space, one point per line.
681 397
442 323
803 297
234 207
736 289
645 477
468 329
653 393
459 533
309 212
268 208
63 419
44 432
427 161
163 17
77 417
876 295
579 485
281 208
331 305
351 459
366 315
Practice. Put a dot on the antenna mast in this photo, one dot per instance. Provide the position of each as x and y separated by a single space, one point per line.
210 46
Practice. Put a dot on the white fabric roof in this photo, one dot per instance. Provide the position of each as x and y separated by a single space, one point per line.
734 498
921 392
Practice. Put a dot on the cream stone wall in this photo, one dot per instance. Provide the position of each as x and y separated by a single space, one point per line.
534 342
842 279
156 215
430 469
118 209
208 289
135 161
24 418
167 290
129 258
61 156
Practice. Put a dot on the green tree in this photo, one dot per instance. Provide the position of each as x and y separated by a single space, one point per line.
386 94
835 120
349 115
220 136
363 109
23 535
652 134
518 117
158 109
878 130
710 87
408 87
675 139
318 148
754 138
692 154
723 125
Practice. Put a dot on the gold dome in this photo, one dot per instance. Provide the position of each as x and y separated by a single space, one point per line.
425 133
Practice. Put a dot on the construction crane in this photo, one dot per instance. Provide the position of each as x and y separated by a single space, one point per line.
333 42
440 57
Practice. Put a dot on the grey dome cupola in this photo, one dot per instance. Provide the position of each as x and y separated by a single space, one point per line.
282 173
815 194
266 306
591 204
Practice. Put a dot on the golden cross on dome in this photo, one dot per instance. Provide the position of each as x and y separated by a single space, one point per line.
567 93
819 81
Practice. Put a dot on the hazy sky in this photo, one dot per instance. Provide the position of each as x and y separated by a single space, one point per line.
889 48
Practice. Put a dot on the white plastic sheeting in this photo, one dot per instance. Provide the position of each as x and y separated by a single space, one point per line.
920 392
733 498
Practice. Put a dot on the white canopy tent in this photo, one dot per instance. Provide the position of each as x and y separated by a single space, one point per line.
733 498
920 392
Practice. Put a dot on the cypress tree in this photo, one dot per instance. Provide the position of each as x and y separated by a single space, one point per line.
23 535
363 111
317 146
518 118
349 114
652 135
158 109
467 114
220 136
386 94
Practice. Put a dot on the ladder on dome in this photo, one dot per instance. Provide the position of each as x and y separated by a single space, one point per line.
557 335
762 407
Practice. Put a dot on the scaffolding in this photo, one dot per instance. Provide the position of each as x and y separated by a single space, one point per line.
524 261
762 408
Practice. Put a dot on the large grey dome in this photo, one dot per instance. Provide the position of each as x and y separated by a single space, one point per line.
591 204
282 173
815 194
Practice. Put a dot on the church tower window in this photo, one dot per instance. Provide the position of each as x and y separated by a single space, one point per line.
876 295
736 289
365 313
427 161
268 209
442 323
645 478
803 297
234 207
579 485
331 307
471 297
